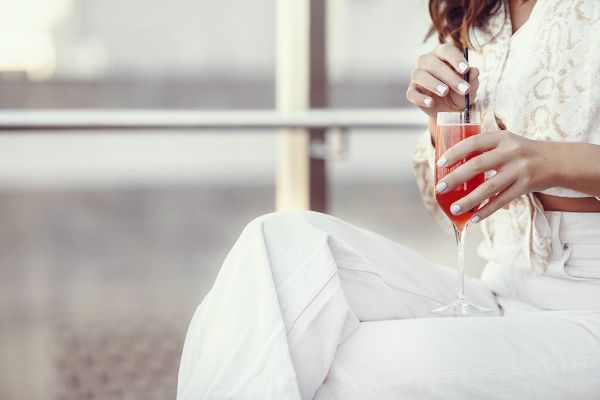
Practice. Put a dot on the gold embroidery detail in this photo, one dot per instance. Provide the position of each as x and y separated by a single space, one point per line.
570 44
578 13
557 127
543 89
562 96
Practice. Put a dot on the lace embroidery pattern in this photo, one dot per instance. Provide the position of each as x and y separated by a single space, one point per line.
556 79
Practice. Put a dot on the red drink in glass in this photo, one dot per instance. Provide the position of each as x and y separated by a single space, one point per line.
446 137
452 127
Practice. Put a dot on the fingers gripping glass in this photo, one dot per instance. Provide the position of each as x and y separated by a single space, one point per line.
452 127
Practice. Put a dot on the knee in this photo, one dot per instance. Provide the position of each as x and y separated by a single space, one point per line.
289 229
281 221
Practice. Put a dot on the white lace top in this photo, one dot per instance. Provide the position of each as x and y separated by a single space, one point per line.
543 83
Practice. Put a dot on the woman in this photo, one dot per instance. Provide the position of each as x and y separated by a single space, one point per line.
307 306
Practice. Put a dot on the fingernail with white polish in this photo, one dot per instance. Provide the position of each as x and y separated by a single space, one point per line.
427 102
441 162
463 87
475 219
442 89
462 67
441 186
455 208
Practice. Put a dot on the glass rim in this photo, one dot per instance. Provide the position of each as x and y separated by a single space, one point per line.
458 112
458 117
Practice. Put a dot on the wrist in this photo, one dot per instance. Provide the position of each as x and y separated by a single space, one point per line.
572 166
556 165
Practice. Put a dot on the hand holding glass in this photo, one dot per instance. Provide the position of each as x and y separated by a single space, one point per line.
452 127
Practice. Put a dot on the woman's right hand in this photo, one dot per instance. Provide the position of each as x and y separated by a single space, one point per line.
437 82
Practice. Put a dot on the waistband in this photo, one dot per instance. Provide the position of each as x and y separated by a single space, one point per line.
574 227
565 226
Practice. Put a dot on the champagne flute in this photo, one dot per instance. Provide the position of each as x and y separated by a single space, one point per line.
452 127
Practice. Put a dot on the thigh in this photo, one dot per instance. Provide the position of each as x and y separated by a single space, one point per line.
386 280
380 279
539 356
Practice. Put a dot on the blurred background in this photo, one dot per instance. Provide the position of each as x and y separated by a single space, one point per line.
109 240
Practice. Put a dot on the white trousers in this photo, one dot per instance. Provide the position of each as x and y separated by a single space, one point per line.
307 306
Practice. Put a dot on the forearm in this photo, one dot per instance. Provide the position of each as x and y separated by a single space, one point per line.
577 167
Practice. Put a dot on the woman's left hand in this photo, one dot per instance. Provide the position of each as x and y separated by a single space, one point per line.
522 165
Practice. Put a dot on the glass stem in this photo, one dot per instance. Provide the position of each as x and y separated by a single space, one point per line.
460 244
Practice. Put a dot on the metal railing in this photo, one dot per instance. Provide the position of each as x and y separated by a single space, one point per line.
81 120
301 175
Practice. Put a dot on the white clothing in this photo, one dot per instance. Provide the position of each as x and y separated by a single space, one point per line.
571 280
541 83
308 306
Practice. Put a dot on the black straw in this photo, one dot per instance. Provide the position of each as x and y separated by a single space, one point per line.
466 78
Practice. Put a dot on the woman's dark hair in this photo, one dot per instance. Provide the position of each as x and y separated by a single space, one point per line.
452 19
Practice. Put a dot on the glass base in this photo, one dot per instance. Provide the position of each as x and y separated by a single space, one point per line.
460 308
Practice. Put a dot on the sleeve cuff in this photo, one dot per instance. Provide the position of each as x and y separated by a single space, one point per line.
424 150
